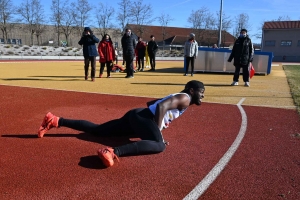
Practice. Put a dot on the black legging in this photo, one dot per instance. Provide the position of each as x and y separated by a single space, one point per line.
138 122
108 67
152 61
188 60
141 62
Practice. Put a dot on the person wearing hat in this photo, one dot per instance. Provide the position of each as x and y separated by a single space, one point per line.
190 53
242 53
144 123
152 49
88 41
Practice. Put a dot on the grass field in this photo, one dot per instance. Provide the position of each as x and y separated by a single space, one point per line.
293 76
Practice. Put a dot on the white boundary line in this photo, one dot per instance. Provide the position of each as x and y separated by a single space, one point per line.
218 168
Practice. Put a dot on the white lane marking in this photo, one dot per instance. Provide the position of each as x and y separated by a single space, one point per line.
218 168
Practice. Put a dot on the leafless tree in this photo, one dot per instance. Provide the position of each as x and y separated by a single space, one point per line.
82 8
68 22
201 20
123 15
164 20
6 17
57 14
32 13
242 21
141 14
104 14
226 25
283 18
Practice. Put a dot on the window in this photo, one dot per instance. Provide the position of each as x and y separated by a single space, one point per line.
298 43
270 43
286 43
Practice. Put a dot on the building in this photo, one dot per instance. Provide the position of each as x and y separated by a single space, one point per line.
176 36
283 39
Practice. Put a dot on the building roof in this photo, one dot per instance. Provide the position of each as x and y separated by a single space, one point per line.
282 25
177 35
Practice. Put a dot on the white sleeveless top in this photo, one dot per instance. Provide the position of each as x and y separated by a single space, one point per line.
170 114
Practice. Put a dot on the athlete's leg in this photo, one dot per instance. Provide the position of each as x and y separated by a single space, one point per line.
143 124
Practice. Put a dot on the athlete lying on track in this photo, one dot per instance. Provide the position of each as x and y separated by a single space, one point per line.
145 123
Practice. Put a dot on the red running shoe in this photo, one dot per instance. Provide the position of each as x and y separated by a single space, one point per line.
107 156
49 122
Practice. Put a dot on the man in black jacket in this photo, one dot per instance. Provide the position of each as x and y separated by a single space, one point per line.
242 53
128 45
88 40
152 49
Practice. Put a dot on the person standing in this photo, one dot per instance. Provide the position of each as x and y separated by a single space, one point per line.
128 45
145 123
190 53
140 49
152 49
242 53
88 41
107 54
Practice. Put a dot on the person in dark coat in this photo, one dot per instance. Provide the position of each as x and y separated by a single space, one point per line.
128 45
88 41
140 49
242 53
152 49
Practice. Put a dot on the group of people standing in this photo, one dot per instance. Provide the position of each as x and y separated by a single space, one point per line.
108 54
242 53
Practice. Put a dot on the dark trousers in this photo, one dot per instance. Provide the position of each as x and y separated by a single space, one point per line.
141 62
129 65
245 73
116 59
152 61
189 60
87 61
136 122
108 67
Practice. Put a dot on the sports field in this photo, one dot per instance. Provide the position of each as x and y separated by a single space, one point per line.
241 143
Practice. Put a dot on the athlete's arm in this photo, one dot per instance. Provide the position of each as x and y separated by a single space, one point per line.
179 101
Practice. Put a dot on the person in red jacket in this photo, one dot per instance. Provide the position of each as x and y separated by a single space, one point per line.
140 52
107 54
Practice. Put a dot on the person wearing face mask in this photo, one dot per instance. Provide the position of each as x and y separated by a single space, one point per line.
88 41
107 54
128 45
242 53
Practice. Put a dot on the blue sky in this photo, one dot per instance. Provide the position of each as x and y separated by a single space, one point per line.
179 10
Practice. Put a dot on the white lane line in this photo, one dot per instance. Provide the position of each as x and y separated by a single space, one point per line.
218 168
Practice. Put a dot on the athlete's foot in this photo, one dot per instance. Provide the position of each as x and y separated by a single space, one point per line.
107 156
49 122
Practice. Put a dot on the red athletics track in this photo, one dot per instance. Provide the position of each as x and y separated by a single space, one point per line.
64 165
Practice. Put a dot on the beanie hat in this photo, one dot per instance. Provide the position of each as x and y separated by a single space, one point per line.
244 30
87 29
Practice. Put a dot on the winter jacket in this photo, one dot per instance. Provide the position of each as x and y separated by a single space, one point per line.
141 49
128 45
106 51
88 42
191 48
152 47
242 51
